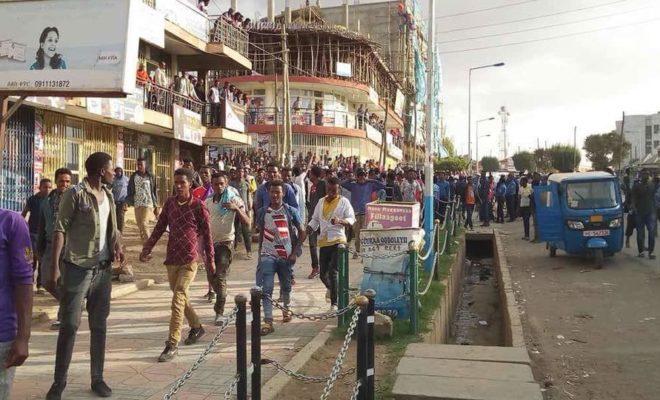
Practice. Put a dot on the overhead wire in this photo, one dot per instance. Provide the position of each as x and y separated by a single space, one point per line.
533 18
543 26
550 37
485 9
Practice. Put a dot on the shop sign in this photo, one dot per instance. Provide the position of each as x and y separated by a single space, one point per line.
389 215
68 47
130 109
187 125
374 134
344 69
398 103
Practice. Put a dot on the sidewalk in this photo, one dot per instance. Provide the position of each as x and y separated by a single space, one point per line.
138 327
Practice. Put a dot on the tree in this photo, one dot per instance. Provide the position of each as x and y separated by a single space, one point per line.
490 164
607 149
448 144
524 161
542 160
564 158
451 164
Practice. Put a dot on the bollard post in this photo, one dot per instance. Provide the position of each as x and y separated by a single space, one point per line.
412 265
241 347
255 338
438 249
362 344
448 226
342 284
371 348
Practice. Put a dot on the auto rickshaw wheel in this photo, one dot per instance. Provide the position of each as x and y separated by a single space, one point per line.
553 251
599 258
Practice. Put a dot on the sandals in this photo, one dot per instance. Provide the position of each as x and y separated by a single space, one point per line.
286 317
267 328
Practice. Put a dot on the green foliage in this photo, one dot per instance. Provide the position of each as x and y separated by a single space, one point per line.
490 164
542 160
564 158
607 149
451 164
449 146
524 161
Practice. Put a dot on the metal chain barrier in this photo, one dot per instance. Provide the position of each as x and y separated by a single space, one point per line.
392 300
428 284
311 317
430 248
231 387
303 377
202 357
356 390
339 361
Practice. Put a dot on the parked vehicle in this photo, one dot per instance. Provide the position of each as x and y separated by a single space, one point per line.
581 214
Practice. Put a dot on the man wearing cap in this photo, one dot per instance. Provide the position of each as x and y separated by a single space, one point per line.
361 190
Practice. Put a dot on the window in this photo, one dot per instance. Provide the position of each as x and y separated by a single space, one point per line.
648 134
648 130
656 129
586 195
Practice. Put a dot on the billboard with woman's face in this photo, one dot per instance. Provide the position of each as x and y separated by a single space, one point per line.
68 47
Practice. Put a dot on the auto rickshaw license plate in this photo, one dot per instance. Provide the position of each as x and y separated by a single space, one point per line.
598 233
596 218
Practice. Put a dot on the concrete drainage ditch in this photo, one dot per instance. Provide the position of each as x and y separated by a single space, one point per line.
475 349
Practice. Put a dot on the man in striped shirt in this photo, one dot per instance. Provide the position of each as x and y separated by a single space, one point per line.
281 236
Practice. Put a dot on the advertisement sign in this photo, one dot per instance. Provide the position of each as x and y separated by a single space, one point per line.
187 125
186 16
233 116
67 46
390 215
130 109
386 271
344 69
399 103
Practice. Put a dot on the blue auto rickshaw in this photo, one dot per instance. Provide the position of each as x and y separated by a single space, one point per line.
581 213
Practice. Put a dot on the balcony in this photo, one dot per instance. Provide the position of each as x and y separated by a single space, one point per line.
200 41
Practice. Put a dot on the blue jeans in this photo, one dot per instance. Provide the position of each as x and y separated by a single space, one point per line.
647 221
6 375
266 270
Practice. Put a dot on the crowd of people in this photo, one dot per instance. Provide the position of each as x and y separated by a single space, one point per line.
74 234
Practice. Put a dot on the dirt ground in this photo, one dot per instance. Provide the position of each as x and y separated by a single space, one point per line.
592 334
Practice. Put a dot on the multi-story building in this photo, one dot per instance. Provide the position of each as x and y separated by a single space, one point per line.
343 97
163 120
643 133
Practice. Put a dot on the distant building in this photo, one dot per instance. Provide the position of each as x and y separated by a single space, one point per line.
643 133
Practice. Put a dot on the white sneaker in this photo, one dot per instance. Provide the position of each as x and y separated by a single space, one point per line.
333 308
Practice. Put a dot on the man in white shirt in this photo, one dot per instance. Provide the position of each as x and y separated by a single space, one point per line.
332 215
214 99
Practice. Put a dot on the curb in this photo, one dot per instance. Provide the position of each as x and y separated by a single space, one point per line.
272 388
43 314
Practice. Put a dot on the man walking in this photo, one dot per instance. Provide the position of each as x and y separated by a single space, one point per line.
49 211
240 182
223 207
204 191
361 191
143 197
32 207
280 241
511 197
188 221
643 194
15 296
332 215
316 193
87 223
120 192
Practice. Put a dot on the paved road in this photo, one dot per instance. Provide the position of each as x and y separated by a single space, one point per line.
592 334
137 329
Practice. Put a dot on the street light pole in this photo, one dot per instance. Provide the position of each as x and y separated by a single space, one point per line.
500 64
428 162
477 139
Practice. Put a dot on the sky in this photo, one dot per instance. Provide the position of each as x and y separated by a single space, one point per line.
548 86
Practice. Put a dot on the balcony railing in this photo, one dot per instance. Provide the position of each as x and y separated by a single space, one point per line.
161 99
229 35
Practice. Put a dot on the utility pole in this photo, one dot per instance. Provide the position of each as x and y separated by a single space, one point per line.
575 147
278 143
428 162
287 102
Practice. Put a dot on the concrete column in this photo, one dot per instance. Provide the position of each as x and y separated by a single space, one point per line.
234 4
346 13
287 11
271 10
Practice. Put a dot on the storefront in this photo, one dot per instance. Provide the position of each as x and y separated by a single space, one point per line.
158 154
17 169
